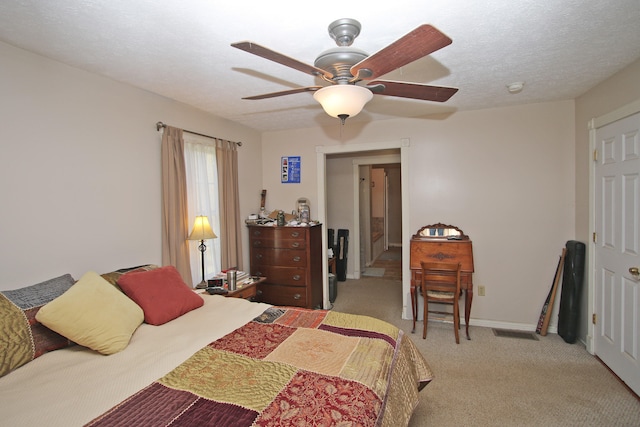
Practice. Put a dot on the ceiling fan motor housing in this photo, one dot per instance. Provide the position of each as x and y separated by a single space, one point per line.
339 60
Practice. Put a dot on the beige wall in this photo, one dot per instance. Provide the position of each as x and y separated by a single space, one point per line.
80 169
79 176
505 176
617 91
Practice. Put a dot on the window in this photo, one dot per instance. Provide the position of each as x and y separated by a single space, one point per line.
202 196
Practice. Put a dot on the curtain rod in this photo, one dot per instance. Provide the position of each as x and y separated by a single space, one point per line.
161 125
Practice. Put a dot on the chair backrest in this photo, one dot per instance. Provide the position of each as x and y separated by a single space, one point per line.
441 276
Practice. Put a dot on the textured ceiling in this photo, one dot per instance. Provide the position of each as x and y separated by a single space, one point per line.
181 49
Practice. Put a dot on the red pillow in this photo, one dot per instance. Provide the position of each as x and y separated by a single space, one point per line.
161 293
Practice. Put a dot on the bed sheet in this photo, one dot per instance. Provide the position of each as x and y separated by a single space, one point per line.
72 386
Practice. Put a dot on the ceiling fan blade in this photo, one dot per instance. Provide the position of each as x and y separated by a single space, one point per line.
413 90
418 43
271 55
285 92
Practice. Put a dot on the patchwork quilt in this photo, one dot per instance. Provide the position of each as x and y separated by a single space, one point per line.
288 367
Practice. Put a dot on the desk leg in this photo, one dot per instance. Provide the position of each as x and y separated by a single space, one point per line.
468 297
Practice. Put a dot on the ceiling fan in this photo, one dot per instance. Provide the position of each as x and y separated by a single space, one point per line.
345 66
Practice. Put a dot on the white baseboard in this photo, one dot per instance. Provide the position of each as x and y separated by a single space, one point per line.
514 326
529 327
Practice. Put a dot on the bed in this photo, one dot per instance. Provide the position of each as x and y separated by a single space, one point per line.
227 361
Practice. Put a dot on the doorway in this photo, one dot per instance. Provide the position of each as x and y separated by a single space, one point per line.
614 284
379 210
357 150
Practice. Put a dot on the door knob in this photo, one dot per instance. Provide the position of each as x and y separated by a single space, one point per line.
634 271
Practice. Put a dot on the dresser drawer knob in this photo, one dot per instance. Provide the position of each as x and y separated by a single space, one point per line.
258 273
296 259
295 244
295 234
257 243
296 277
297 296
257 232
259 256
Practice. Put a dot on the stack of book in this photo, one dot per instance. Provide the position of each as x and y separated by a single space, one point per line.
242 277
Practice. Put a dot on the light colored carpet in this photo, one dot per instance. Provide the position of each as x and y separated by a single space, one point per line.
498 381
391 255
373 272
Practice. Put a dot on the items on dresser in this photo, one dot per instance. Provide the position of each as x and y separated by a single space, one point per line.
225 277
291 260
442 243
303 210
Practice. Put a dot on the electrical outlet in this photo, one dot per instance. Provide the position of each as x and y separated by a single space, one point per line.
481 291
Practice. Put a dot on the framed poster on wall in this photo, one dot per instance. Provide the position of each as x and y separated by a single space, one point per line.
290 170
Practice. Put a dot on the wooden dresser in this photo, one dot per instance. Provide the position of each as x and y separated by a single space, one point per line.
291 260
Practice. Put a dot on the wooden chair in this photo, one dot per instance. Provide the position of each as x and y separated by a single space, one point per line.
440 283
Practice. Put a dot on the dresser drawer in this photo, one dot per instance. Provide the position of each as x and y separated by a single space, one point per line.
281 275
279 243
278 237
281 257
283 295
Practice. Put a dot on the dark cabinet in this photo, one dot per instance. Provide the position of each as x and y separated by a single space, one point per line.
291 260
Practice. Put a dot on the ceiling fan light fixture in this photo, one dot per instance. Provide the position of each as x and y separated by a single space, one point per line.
343 99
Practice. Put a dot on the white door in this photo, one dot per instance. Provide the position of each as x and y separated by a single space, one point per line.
364 194
617 257
386 211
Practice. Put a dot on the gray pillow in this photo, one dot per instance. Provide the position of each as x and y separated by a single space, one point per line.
22 337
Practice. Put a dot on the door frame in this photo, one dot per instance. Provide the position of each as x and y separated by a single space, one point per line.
321 159
594 124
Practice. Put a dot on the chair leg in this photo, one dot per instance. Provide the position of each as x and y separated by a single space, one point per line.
414 307
456 320
425 318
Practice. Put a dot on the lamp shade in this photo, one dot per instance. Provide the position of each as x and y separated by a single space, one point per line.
343 99
201 229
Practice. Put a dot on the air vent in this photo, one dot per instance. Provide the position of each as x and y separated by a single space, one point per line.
523 335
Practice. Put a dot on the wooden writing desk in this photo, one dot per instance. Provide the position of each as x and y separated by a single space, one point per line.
442 243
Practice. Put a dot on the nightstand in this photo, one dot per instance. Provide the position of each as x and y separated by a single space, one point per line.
246 291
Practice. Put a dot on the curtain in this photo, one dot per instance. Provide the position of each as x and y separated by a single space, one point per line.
175 226
230 221
202 196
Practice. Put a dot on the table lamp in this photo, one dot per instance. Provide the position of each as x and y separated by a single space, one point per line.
202 231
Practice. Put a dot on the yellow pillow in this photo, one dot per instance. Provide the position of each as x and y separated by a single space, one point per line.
94 314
